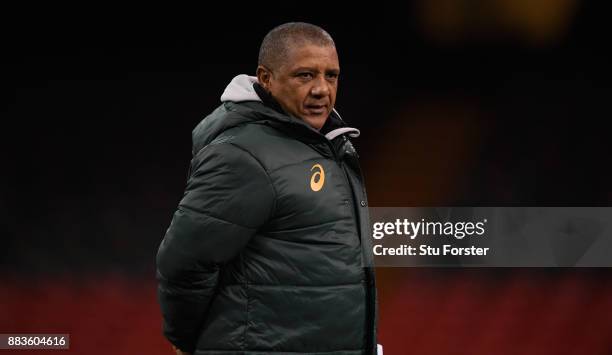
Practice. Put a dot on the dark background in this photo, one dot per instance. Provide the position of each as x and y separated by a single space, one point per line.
460 102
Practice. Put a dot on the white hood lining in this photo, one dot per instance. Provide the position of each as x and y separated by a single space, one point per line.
240 89
352 132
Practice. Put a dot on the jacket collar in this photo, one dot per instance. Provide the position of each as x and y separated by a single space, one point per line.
244 88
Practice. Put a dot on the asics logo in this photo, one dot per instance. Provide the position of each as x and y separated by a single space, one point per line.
318 178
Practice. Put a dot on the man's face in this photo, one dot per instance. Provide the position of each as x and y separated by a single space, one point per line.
305 85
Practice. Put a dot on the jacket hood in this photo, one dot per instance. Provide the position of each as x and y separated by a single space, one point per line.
242 103
241 89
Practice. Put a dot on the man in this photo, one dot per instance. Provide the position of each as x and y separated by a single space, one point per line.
268 251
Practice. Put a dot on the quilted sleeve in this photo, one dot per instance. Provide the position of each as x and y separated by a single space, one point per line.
227 198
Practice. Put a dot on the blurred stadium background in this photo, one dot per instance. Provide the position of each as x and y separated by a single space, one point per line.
460 103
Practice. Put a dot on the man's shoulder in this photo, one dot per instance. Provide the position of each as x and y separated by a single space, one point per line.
228 119
254 133
214 124
272 147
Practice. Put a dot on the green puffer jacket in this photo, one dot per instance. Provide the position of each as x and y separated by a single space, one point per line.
268 251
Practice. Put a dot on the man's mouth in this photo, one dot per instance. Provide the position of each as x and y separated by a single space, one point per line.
316 109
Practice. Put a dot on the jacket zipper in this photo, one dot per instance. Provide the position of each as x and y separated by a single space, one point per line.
351 191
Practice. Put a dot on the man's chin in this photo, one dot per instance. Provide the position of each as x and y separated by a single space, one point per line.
315 121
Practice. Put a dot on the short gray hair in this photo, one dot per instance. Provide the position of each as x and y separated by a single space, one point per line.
276 44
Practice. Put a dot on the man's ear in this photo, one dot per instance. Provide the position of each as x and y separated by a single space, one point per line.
264 76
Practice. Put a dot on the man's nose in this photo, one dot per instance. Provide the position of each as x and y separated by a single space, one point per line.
320 87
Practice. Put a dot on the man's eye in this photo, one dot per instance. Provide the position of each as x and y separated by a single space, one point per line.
332 76
305 75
